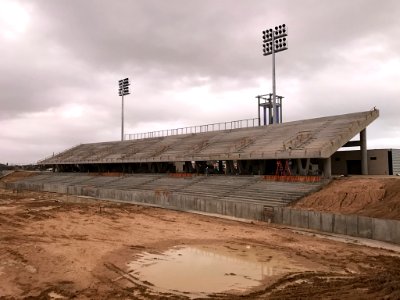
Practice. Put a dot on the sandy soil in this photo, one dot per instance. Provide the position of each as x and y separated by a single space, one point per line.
17 175
377 197
52 246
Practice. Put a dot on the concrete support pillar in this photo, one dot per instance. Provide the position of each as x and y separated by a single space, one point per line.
270 120
300 169
363 148
265 115
197 167
179 165
241 165
188 167
220 167
307 170
327 167
262 167
230 169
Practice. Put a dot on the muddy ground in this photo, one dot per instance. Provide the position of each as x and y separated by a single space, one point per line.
53 246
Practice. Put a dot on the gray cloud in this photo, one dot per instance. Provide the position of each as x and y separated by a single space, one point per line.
191 62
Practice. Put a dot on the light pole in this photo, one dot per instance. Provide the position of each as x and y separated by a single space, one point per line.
274 40
123 91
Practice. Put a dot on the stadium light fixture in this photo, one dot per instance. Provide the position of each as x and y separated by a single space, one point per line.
123 91
274 40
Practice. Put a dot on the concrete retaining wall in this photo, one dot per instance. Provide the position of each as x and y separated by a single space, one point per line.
161 198
353 225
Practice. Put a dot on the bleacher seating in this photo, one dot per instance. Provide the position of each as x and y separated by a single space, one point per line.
253 189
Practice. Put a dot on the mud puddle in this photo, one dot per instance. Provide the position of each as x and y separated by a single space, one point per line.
202 270
54 295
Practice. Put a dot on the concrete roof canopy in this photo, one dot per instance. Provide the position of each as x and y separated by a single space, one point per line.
311 138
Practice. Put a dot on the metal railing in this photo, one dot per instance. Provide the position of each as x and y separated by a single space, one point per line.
246 123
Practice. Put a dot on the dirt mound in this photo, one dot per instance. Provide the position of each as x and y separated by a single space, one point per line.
373 197
17 175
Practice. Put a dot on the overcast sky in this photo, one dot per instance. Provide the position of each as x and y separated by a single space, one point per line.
190 63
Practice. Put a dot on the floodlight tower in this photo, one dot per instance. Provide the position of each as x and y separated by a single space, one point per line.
274 40
123 91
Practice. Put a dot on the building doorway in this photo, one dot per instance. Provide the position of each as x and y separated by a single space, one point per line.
353 167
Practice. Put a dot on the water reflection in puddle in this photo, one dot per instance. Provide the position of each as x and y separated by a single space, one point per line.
210 270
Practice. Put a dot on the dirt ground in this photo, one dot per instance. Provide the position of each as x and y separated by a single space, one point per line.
53 247
374 196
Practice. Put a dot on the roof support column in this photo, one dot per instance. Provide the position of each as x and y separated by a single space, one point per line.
327 167
265 115
363 146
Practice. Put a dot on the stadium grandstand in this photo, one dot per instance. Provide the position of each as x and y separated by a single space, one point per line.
293 148
242 172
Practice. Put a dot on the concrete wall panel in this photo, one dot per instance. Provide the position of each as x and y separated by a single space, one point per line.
89 191
351 225
258 212
278 217
127 196
238 210
77 190
46 187
181 203
245 210
326 222
229 208
286 216
103 193
201 205
339 224
365 227
381 230
314 220
386 230
220 207
189 203
304 219
211 206
235 209
396 232
254 210
295 218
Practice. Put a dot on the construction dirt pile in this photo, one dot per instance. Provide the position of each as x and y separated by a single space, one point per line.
377 197
55 246
17 175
